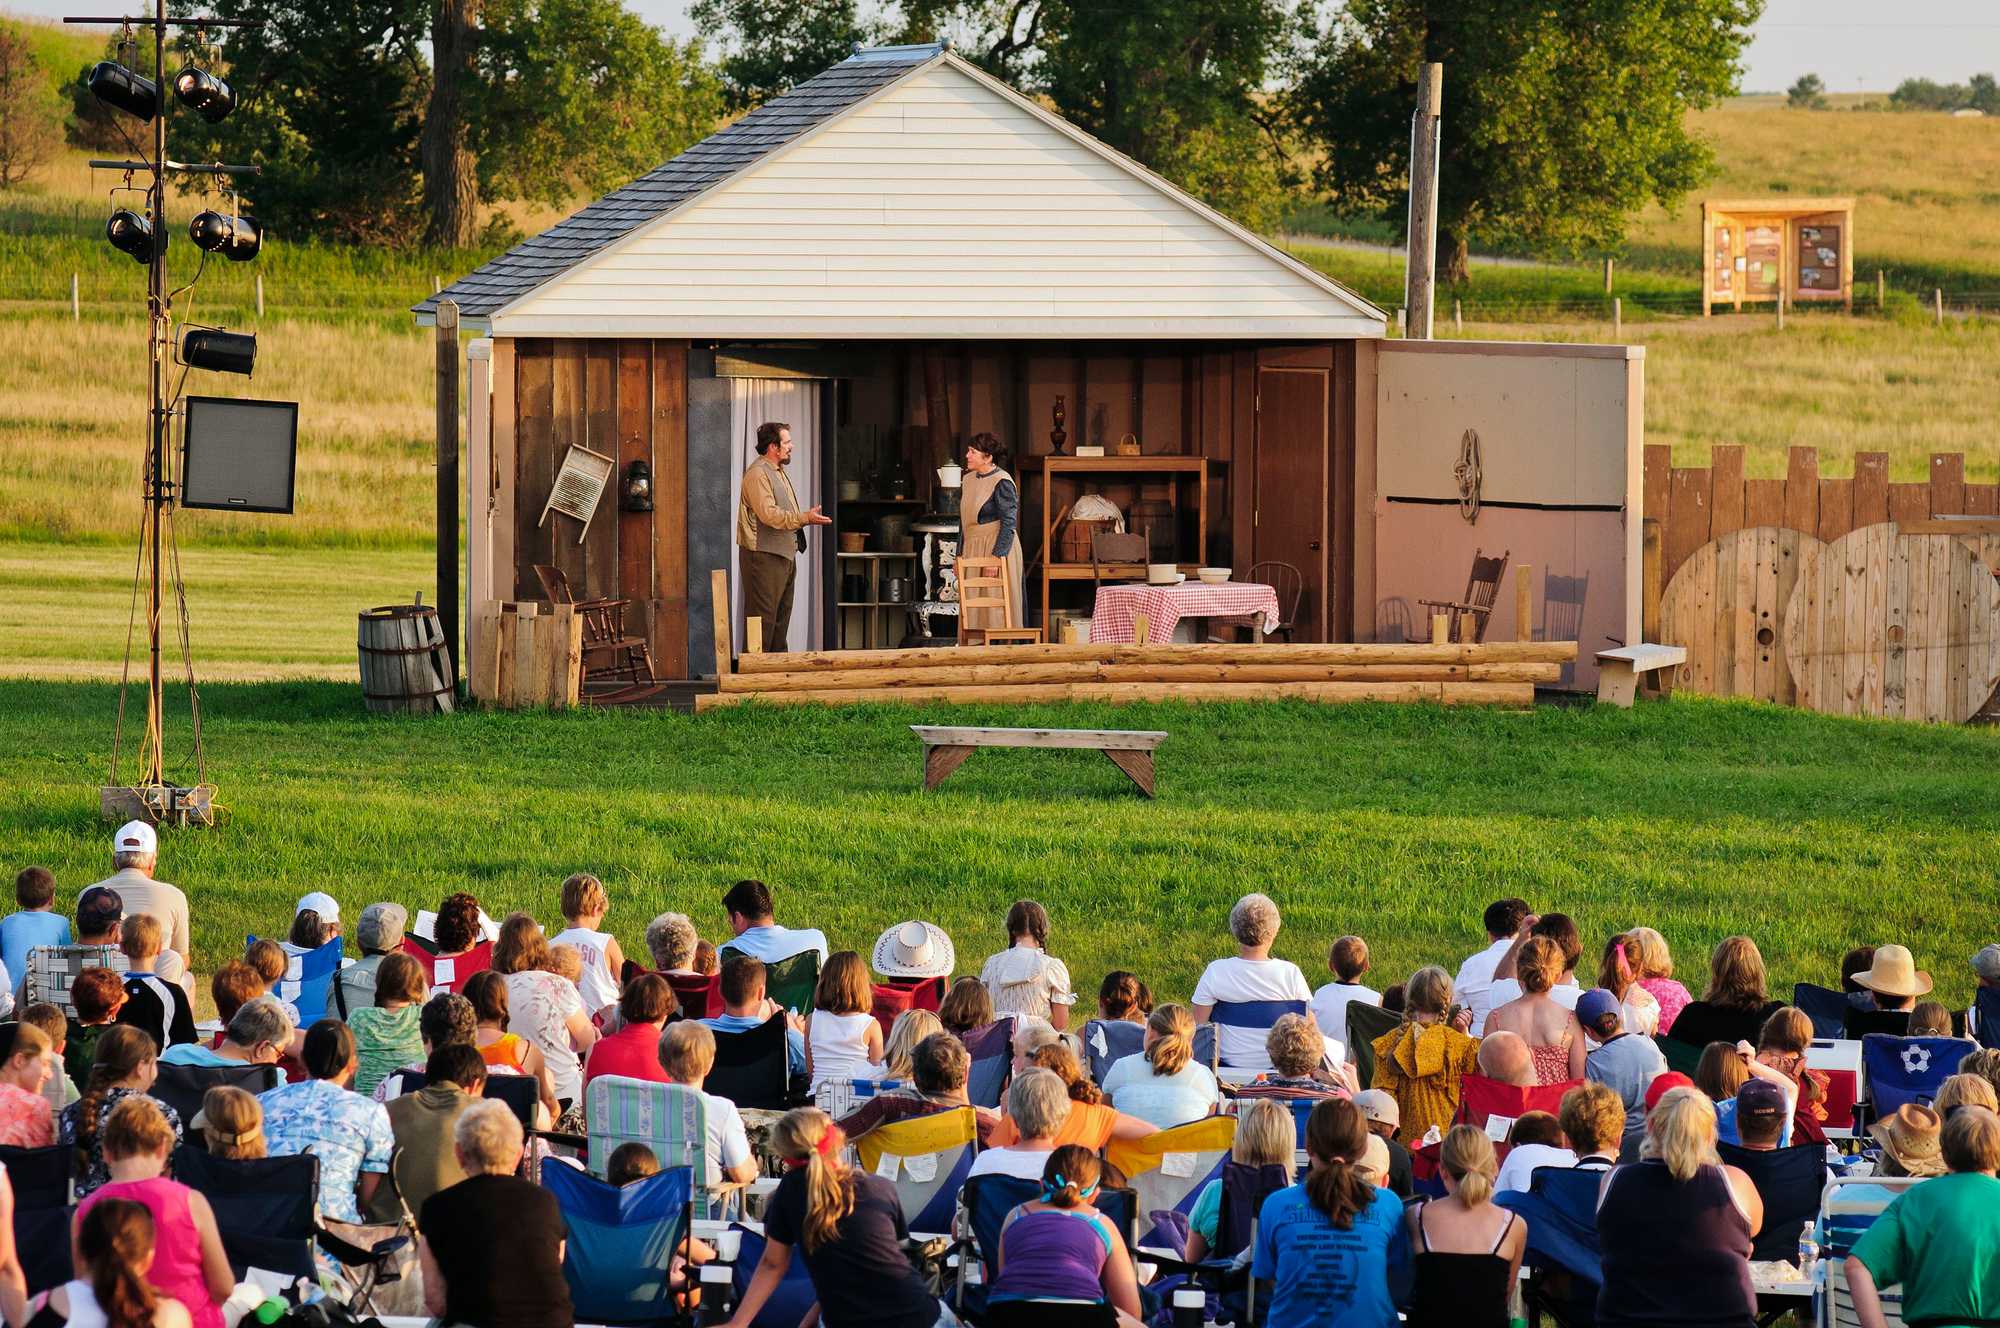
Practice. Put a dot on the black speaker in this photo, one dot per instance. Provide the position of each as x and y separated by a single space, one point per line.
239 455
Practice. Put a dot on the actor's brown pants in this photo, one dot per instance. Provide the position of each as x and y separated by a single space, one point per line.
768 579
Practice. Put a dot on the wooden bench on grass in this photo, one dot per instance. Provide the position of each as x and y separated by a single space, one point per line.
946 748
1618 670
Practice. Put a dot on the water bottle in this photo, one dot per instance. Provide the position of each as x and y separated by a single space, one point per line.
1190 1308
718 1287
1808 1251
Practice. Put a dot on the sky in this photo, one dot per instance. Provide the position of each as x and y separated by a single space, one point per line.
1855 45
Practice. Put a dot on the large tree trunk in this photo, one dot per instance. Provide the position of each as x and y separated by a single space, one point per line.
451 190
1455 255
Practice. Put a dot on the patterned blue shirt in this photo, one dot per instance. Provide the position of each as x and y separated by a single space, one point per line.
348 1133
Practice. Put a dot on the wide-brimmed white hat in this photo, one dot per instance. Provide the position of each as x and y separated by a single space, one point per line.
1893 973
914 950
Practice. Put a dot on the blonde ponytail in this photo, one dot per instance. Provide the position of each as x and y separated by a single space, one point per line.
809 1141
1172 1028
1467 1155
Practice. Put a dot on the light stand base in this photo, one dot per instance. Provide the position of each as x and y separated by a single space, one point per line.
159 804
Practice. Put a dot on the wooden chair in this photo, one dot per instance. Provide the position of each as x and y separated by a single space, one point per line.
1110 550
1289 583
608 651
1477 602
983 586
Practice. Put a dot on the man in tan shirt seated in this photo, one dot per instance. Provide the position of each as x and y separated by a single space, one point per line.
135 852
770 532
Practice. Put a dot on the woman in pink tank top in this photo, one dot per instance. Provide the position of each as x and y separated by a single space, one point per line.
188 1262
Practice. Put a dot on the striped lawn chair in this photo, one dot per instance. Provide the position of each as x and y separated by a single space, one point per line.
927 1159
670 1119
52 968
1253 1017
1846 1210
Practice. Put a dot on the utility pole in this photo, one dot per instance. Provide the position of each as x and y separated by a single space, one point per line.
1421 266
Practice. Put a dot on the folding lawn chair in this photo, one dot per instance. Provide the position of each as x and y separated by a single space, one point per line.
621 1242
1789 1181
1365 1023
264 1208
894 997
927 1159
1846 1083
670 1119
42 1212
1560 1206
1168 1169
182 1087
1848 1207
753 1068
991 1047
1252 1016
789 982
1826 1008
448 974
1982 1017
699 995
40 1176
1681 1057
1481 1101
794 1295
307 985
1108 1041
1909 1069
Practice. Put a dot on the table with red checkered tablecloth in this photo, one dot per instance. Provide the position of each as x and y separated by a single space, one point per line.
1165 606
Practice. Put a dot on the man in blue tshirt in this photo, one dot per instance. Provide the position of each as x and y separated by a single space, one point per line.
1324 1277
750 911
745 1008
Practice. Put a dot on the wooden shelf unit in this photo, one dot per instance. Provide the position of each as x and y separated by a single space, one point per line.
1063 478
875 613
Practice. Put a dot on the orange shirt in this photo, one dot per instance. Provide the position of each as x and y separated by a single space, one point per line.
1089 1124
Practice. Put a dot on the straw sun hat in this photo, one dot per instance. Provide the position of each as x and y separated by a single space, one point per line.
1894 973
913 950
1910 1135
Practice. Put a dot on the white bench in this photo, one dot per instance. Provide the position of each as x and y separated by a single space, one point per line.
1618 670
945 748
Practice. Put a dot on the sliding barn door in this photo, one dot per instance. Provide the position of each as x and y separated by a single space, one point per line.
1291 507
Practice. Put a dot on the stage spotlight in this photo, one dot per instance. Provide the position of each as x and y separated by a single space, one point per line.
235 238
224 352
121 89
132 234
205 94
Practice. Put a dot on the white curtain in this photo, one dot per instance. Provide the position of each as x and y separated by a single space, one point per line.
793 402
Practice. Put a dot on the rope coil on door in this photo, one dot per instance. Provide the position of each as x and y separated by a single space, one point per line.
1467 473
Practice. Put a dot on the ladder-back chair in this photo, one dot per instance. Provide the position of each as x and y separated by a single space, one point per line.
1476 605
609 651
1112 550
984 587
1289 584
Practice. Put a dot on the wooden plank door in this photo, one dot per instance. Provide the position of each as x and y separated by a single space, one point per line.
1291 502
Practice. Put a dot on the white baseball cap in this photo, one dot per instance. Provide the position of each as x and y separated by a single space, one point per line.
135 837
322 903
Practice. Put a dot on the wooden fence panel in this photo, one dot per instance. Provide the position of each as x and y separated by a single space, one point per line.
1871 488
1687 516
1725 506
1836 509
1947 483
1802 491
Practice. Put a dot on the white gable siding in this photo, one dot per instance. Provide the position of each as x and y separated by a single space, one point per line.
943 209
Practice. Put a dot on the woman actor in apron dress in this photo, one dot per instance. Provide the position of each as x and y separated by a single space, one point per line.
989 519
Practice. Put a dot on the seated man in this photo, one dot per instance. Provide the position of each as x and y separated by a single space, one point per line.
1896 982
52 968
687 1054
135 852
750 911
423 1123
1299 1064
1623 1062
259 1033
379 934
938 1066
152 1003
1982 1017
745 1007
1505 1058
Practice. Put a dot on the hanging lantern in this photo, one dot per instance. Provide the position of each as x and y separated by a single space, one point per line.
636 493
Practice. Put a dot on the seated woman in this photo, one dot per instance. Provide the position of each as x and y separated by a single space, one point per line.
1164 1084
965 1007
1653 969
848 1226
1557 927
1937 1239
460 941
26 1062
1038 1106
1468 1249
1251 975
546 1009
671 941
1638 1009
1675 1228
1060 1248
1266 1136
1781 1048
1550 1029
188 1262
1734 1007
115 1249
899 1048
491 1246
1422 1063
386 1033
1299 1065
486 991
1090 1122
126 1066
1333 1247
233 1124
315 921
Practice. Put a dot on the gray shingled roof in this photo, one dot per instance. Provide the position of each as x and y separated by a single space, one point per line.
716 158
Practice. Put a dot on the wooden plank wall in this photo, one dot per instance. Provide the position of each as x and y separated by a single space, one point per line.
627 399
1695 504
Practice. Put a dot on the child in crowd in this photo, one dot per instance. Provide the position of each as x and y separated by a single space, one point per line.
843 1039
629 1162
965 1007
1927 1019
1467 1249
26 1121
386 1034
509 1053
1266 1136
37 924
98 995
55 1027
268 958
157 1006
706 961
1059 1247
233 1121
567 961
114 1251
1536 1140
1621 1061
1348 962
584 904
234 986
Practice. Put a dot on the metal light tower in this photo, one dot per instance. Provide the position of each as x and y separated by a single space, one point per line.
151 795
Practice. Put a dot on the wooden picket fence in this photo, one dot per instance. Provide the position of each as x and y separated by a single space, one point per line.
1687 506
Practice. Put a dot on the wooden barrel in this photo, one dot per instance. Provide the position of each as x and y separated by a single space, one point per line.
404 665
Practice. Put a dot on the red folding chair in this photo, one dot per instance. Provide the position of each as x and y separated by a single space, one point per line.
892 998
449 974
698 994
1480 1099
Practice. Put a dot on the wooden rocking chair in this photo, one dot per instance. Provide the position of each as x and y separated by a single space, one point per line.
1477 603
608 651
983 585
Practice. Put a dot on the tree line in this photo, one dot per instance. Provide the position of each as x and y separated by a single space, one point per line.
396 121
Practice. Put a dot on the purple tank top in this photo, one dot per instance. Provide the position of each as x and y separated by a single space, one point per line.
1052 1254
176 1244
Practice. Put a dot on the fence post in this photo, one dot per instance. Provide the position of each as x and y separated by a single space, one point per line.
1937 304
1399 322
1617 315
1781 311
1608 265
75 301
1881 291
1457 316
260 295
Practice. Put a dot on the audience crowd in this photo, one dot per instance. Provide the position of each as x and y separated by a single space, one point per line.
1394 1138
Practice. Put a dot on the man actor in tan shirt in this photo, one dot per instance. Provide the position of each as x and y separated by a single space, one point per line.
770 532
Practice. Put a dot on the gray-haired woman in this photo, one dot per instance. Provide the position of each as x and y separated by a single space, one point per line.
492 1245
1252 976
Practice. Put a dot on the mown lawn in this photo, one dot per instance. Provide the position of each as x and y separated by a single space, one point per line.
1399 823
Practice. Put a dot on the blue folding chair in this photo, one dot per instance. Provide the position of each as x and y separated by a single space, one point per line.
794 1295
1256 1016
621 1241
992 1050
1982 1021
1789 1181
308 981
1908 1069
1108 1041
1560 1205
1826 1008
264 1207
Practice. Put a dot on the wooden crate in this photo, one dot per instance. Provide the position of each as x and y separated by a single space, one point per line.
527 655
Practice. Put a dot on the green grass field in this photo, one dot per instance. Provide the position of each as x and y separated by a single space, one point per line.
1395 822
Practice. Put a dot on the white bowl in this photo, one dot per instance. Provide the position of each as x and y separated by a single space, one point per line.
1213 576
